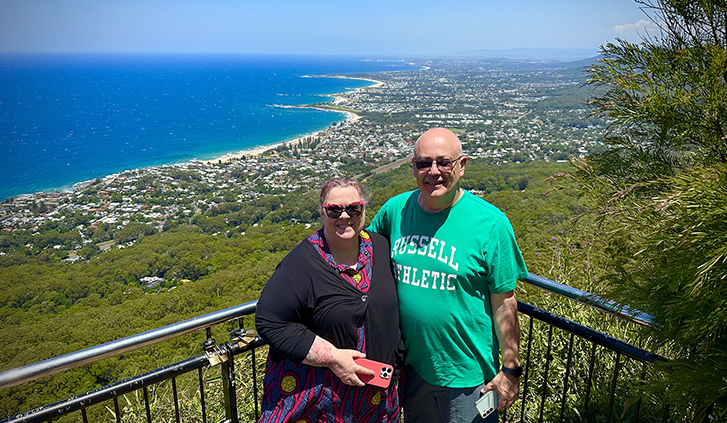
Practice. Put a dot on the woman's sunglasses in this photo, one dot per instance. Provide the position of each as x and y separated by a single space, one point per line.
334 211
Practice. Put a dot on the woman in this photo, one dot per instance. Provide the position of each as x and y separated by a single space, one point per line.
332 299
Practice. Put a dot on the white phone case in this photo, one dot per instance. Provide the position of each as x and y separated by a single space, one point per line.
487 403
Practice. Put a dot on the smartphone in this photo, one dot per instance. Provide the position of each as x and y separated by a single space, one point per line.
382 372
487 404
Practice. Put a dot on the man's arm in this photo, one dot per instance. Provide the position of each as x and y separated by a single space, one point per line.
507 327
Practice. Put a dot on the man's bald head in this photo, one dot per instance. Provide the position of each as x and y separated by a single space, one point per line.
443 138
438 165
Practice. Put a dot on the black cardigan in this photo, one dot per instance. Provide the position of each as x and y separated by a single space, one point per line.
306 297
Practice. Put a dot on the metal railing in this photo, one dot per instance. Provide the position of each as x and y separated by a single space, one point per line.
79 358
592 300
540 396
543 397
240 340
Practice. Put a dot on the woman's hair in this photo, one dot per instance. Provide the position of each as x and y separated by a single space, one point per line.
340 182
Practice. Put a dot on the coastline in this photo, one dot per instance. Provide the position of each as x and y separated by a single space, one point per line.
257 151
338 99
376 83
226 158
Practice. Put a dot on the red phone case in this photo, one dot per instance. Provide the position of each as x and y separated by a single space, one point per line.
382 372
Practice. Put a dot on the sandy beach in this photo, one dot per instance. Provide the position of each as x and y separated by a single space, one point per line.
254 152
377 83
338 99
351 117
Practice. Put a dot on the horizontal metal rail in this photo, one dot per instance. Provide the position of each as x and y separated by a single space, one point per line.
78 358
592 335
591 300
117 389
113 391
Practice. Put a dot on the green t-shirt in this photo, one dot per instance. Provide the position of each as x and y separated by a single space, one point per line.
447 263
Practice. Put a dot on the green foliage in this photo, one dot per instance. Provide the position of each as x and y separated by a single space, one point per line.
666 97
676 270
133 231
385 185
58 308
69 306
662 193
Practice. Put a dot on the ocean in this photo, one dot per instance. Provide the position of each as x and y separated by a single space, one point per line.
67 118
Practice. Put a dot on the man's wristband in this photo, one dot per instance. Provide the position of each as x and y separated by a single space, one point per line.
517 371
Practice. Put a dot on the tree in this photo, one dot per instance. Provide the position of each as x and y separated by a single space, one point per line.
132 231
666 96
661 188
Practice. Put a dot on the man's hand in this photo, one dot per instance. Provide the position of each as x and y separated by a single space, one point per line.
506 386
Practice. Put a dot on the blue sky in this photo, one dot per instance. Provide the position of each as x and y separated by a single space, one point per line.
372 27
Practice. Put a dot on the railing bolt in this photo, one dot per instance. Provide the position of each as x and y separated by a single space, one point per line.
215 354
243 337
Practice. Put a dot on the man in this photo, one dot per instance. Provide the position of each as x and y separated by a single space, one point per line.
457 264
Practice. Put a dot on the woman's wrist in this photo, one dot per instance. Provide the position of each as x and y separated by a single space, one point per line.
320 354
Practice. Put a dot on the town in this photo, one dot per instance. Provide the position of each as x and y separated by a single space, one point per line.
505 112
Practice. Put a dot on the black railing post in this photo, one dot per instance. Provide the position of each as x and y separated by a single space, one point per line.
229 386
527 370
254 384
146 404
565 382
116 408
641 398
548 357
588 382
176 399
201 395
708 417
613 387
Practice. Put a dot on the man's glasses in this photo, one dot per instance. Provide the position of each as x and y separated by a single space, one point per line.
334 211
444 165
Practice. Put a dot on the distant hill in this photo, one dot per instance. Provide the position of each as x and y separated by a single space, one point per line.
525 54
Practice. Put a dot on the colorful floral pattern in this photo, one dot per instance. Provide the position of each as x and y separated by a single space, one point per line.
302 393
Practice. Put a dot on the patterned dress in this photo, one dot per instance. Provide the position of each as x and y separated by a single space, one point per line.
301 393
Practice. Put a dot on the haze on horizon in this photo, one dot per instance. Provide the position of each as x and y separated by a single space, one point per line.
327 27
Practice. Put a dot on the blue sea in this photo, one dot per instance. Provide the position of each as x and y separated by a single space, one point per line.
66 118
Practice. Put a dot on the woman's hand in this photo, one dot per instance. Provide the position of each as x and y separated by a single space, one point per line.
323 354
346 368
